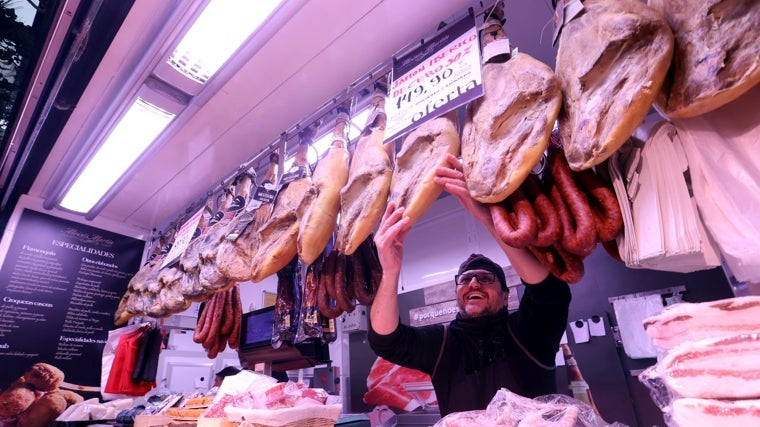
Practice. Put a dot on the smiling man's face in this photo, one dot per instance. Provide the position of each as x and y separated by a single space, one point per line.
476 299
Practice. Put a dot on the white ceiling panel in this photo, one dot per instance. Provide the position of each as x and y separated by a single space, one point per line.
318 53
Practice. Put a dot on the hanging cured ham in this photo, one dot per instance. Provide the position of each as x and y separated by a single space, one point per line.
142 295
323 198
506 130
717 55
422 150
234 255
279 234
363 198
611 62
178 275
209 276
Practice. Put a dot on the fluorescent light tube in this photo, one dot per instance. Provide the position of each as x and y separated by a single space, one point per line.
217 33
139 127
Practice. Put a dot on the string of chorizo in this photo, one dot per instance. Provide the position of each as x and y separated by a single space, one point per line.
578 233
237 314
360 276
342 296
549 226
608 217
323 296
227 315
201 328
217 307
520 230
372 260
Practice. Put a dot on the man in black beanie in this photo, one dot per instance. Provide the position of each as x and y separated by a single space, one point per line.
485 348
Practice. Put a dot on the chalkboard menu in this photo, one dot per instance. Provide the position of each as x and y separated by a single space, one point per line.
60 284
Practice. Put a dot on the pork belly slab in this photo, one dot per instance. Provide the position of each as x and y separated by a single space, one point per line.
697 321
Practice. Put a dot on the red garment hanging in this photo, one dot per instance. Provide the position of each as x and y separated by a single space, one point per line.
120 378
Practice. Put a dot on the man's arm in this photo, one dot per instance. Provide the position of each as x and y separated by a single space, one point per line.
389 239
525 264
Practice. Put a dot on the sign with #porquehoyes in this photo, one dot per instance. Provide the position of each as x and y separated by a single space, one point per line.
440 75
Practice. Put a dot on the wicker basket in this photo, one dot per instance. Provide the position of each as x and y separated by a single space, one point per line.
300 416
309 422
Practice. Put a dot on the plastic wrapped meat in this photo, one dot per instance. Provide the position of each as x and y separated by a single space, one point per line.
726 368
697 321
692 412
510 409
386 386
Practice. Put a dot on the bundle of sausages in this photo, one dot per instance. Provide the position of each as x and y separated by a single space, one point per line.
219 322
346 278
560 219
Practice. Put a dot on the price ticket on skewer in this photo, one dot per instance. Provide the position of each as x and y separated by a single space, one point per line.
440 75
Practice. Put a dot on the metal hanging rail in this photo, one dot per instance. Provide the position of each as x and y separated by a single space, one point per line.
360 88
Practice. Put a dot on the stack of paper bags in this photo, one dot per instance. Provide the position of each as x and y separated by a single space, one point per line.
663 230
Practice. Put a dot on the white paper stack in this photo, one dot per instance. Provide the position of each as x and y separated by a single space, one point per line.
663 230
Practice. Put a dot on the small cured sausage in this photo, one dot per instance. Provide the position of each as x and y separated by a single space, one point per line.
372 261
608 217
323 296
200 326
217 306
227 315
578 233
515 220
373 272
208 313
330 263
561 263
237 315
362 287
342 296
549 226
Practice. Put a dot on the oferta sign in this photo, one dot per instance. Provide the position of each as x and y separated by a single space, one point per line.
437 77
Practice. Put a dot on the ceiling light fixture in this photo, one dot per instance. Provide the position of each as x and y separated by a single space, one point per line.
140 126
225 35
217 33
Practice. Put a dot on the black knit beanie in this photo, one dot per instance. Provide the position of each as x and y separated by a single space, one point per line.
481 262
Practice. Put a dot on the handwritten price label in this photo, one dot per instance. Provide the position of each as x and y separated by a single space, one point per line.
435 78
184 236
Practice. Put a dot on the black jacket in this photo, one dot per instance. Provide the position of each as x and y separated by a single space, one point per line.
481 355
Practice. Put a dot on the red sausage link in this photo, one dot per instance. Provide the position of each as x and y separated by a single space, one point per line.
525 227
578 237
323 296
608 217
341 292
359 281
549 226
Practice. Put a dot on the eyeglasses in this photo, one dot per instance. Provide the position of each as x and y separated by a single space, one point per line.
484 278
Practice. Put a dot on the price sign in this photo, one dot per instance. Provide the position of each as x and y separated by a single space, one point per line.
435 78
185 234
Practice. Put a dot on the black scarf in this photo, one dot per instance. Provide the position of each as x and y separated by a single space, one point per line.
482 339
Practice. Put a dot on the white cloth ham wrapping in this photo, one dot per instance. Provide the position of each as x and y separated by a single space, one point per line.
722 149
